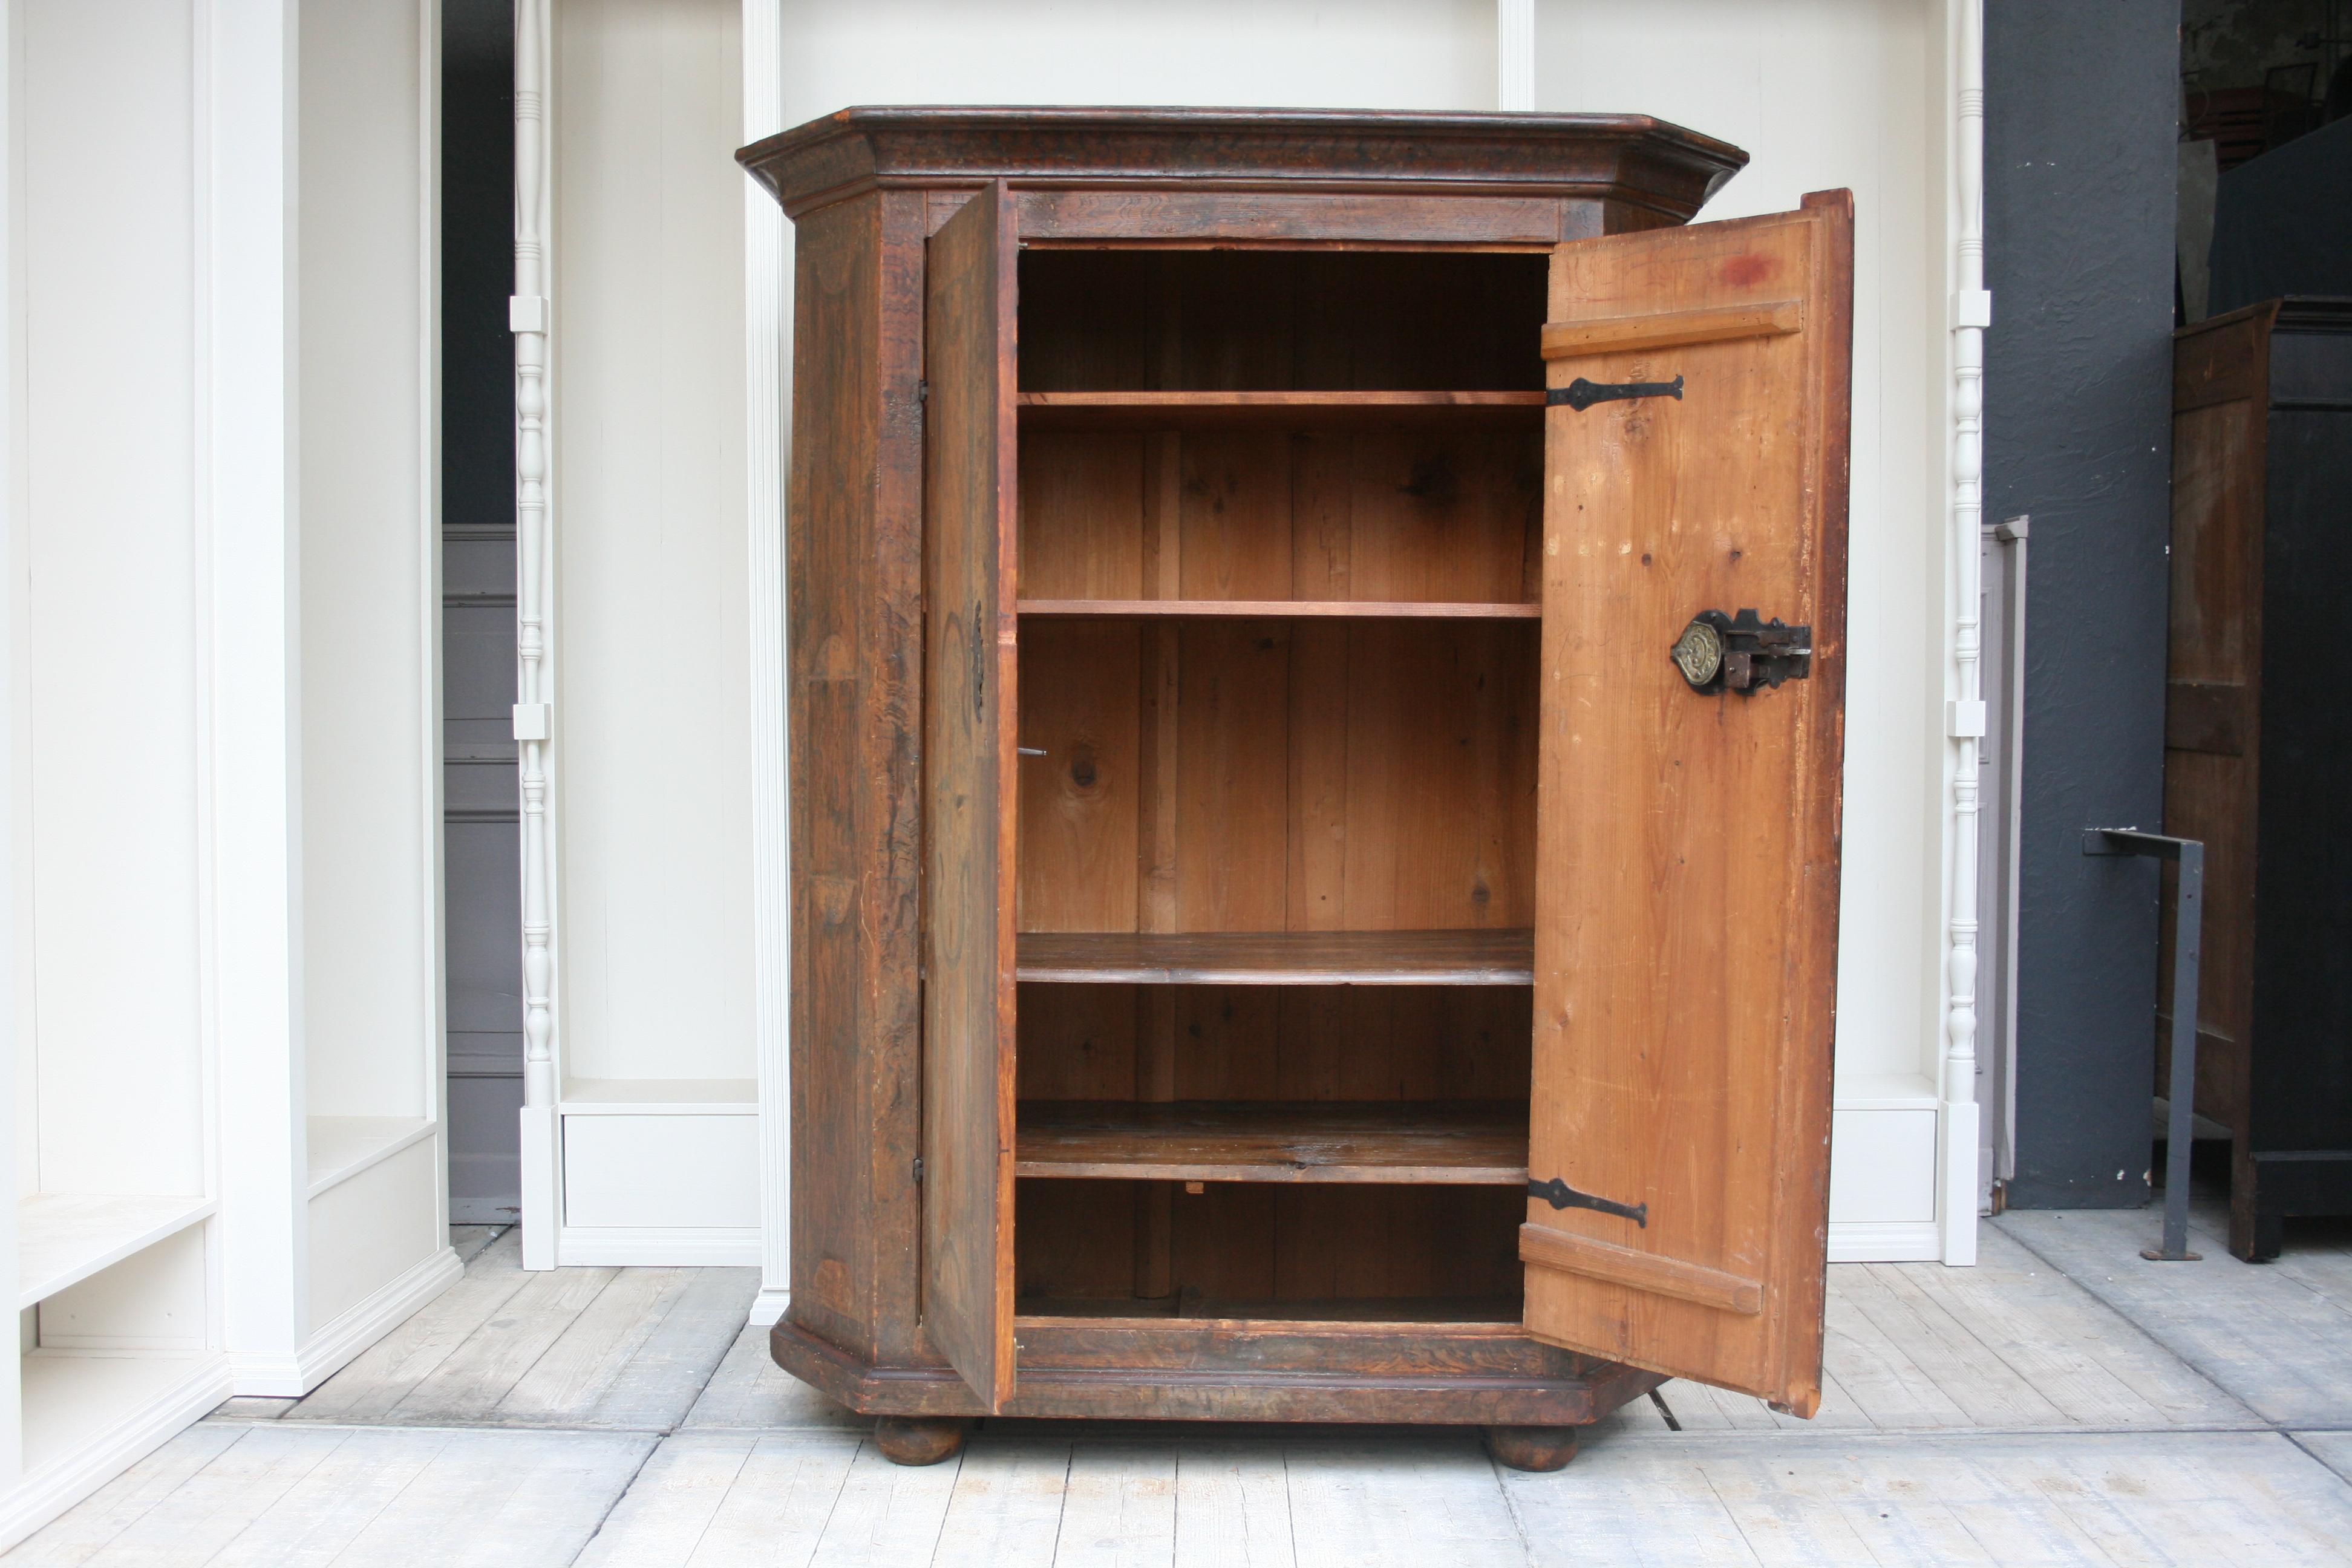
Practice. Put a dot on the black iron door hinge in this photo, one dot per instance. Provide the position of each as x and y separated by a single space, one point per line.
1560 1195
1581 394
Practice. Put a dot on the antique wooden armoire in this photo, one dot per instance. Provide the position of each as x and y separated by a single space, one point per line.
1316 644
2257 739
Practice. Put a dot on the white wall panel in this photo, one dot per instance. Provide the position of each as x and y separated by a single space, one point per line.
1373 54
111 584
1823 93
370 1230
370 1006
661 1173
651 668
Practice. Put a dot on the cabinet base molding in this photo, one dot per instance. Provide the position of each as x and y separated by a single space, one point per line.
657 1247
1229 1370
267 1376
55 1483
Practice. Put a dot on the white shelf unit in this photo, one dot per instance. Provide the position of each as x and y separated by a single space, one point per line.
655 1157
64 1239
220 871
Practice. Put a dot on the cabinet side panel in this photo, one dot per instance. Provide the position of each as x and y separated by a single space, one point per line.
2213 691
2300 1078
854 569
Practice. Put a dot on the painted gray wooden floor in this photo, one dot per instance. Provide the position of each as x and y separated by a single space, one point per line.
2063 1403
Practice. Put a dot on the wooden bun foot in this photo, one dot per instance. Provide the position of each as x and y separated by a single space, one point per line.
928 1439
1531 1447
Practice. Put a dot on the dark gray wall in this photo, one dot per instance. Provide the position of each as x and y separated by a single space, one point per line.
2080 106
481 892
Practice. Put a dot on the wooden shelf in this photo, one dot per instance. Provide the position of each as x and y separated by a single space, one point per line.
1279 958
1191 1306
1452 1142
341 1147
660 1097
1260 410
1280 610
63 1238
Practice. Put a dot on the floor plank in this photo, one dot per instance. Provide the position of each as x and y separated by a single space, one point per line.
887 1515
2014 1500
2256 1331
2333 1449
1434 1499
1232 1506
2008 1345
751 1391
1118 1508
384 1373
278 1494
1006 1509
660 1382
471 1382
2028 1411
2077 1352
77 1535
637 1356
468 1241
714 1500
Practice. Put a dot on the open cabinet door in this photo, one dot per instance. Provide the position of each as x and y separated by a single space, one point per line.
969 803
1686 884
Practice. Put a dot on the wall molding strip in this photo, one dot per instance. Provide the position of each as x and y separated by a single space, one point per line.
530 315
1972 311
766 328
1515 54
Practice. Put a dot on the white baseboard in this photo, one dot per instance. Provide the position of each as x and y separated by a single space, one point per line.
65 1480
767 1309
329 1349
1885 1241
656 1247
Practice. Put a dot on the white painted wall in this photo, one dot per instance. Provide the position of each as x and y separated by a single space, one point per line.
110 578
369 574
1824 93
1371 53
651 679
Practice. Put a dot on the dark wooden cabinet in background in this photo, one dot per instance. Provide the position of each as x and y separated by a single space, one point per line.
1277 934
2258 746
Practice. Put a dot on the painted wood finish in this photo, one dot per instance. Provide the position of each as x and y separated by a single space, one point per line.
1687 869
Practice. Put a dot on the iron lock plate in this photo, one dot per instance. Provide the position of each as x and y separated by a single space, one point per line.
1741 652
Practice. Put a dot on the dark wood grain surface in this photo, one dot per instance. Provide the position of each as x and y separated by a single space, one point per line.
1660 168
1458 1143
1281 609
1276 410
970 675
1280 958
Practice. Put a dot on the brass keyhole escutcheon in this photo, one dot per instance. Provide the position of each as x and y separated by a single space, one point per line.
1741 652
1698 653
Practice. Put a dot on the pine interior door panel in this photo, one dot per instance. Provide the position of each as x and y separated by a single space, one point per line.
969 670
1686 878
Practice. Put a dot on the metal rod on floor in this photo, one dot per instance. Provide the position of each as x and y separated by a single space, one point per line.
2188 947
